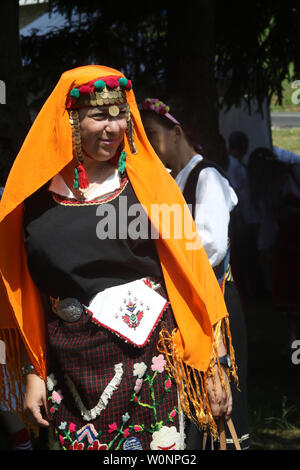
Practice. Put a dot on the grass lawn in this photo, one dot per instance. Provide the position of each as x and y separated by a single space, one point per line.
273 382
287 139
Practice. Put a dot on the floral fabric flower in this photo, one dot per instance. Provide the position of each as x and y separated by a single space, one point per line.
72 427
167 438
139 369
76 446
97 446
125 417
51 382
158 363
112 427
138 385
56 397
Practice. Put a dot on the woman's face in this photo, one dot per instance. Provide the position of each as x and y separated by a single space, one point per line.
162 140
101 133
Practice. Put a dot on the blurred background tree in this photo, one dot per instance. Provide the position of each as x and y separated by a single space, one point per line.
208 52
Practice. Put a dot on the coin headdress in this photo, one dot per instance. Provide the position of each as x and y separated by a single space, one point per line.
110 91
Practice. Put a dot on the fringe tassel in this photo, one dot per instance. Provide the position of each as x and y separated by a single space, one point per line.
11 382
191 383
11 391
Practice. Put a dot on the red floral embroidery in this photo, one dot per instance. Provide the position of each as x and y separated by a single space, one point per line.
97 446
76 446
112 427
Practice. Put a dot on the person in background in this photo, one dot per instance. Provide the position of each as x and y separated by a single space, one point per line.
244 223
275 190
212 198
286 155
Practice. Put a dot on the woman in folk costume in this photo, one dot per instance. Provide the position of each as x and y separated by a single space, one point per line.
212 199
119 336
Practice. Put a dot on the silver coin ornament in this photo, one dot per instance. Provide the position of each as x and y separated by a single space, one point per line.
69 309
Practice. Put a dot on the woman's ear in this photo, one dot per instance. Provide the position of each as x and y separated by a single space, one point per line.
178 130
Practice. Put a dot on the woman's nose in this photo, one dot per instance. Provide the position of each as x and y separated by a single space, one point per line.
112 125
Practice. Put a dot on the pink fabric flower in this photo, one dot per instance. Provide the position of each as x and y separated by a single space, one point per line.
52 410
126 432
72 427
173 414
112 427
138 385
62 441
56 397
158 363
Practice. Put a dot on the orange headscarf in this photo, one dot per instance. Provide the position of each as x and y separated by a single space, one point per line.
193 290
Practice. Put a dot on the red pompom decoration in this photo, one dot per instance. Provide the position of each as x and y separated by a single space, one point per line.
83 180
85 89
111 82
129 85
162 110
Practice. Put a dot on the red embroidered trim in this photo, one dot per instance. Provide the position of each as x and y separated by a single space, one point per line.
71 202
97 322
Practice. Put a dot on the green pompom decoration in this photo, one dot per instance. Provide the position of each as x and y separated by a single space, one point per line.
99 85
76 181
123 82
75 93
122 162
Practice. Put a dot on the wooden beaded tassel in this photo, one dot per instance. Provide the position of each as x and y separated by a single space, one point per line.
81 179
129 133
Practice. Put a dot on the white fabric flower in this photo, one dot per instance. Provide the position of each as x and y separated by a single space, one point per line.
51 382
165 439
139 369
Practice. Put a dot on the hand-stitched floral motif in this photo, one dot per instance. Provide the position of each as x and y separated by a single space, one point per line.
158 363
76 446
168 385
138 385
112 427
56 397
125 417
97 446
63 425
124 434
51 382
139 369
132 443
167 438
134 316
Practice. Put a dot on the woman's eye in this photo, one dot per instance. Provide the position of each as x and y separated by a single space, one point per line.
98 115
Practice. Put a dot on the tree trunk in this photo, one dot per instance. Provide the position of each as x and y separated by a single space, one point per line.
14 114
190 69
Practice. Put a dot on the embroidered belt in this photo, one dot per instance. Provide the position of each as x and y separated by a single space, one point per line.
130 310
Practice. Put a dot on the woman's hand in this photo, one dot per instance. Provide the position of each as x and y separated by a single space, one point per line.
221 400
35 400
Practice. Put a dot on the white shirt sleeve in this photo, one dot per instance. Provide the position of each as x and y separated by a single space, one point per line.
215 199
